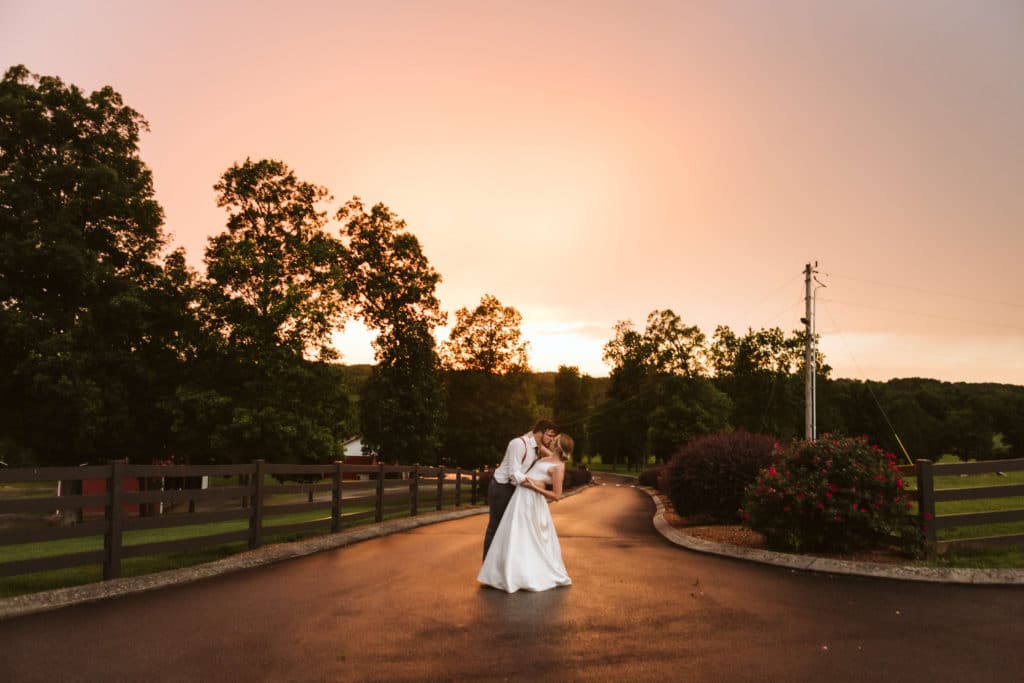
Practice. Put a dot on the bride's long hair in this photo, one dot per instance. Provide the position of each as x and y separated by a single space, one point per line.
563 446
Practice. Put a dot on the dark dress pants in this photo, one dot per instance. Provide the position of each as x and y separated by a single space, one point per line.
498 496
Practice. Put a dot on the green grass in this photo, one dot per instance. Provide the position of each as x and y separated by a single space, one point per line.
995 558
136 566
619 469
1004 558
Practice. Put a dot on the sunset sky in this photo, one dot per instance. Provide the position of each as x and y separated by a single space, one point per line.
590 162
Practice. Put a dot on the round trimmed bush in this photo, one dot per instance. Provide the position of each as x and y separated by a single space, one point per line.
649 477
833 494
574 477
709 475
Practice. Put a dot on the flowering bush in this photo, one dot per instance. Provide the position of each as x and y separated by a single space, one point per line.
832 494
709 475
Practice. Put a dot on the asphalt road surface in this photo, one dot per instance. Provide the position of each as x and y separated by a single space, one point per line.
407 607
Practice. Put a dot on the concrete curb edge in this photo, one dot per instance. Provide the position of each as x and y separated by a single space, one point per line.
1003 577
45 601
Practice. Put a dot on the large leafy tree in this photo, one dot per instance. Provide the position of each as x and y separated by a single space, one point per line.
659 395
569 407
275 290
488 339
762 371
89 317
490 397
393 286
277 278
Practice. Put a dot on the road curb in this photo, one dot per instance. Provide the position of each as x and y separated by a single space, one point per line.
1001 577
44 601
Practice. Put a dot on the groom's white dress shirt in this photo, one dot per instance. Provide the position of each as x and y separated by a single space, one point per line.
520 452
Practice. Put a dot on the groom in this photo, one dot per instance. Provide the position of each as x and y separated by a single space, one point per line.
519 456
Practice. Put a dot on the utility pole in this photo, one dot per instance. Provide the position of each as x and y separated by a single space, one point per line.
809 358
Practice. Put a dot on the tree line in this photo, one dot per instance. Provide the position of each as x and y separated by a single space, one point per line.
670 383
113 346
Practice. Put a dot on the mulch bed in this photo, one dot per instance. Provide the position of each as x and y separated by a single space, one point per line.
739 535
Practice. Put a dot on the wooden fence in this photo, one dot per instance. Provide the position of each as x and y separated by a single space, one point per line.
927 496
394 489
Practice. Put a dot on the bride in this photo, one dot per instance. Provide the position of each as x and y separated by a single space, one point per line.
525 553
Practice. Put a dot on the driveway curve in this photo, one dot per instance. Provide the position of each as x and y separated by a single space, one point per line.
406 607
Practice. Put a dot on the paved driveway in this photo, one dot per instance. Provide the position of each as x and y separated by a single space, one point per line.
407 607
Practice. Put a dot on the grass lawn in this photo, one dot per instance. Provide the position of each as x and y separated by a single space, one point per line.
995 558
73 576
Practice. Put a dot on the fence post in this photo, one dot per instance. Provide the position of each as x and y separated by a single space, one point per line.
472 489
336 499
256 516
440 486
414 491
115 521
926 501
379 514
458 486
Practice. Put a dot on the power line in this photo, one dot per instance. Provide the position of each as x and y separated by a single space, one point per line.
789 280
889 285
870 390
926 315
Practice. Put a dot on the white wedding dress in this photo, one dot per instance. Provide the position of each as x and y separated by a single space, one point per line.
525 553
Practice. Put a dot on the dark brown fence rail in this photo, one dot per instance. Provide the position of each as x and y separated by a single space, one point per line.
139 497
927 496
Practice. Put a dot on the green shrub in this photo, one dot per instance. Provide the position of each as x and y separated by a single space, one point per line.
839 495
650 476
578 476
709 475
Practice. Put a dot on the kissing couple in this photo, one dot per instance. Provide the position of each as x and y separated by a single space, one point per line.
521 549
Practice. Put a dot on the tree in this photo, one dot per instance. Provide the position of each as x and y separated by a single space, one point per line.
277 279
627 408
672 347
485 410
684 409
654 383
275 290
487 339
88 313
393 286
762 372
490 395
569 408
403 406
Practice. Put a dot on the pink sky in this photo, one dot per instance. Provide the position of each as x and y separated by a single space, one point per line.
589 162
